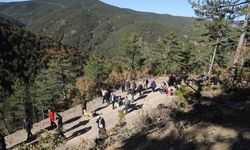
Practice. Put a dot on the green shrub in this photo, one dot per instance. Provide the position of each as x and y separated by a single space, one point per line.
121 117
48 141
181 93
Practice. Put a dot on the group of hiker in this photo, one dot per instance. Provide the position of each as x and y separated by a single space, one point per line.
169 85
108 96
166 89
131 88
55 122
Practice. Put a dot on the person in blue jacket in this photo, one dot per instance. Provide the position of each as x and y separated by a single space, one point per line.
153 86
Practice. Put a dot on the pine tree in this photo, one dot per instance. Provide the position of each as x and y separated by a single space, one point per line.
218 17
171 48
96 69
131 47
42 93
185 60
16 106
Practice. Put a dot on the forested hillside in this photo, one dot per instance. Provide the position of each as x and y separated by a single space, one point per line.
32 66
91 24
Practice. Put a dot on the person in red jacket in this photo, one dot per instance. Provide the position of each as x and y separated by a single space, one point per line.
52 118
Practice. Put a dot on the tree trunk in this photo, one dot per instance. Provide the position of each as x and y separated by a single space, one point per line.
132 67
240 46
33 109
213 58
42 109
64 89
24 109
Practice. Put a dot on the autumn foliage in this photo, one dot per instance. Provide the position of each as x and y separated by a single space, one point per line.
86 86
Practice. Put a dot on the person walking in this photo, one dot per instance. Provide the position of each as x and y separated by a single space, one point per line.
145 83
2 143
126 104
133 85
123 86
113 100
127 86
59 122
153 85
139 89
84 106
107 96
119 102
52 119
101 123
133 91
172 80
104 92
27 126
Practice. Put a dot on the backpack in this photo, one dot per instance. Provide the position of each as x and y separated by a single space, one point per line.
59 119
100 122
113 98
27 125
139 87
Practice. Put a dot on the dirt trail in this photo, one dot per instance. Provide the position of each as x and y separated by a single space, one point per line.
78 128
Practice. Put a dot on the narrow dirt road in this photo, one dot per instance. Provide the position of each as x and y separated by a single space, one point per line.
77 127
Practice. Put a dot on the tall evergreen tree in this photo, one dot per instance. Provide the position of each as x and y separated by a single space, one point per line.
96 69
131 48
16 106
171 47
218 17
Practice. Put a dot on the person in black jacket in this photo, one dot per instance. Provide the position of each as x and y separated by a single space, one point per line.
59 122
84 106
139 89
2 143
101 123
27 126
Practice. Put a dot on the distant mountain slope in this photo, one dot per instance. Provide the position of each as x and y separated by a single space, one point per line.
6 19
91 24
23 54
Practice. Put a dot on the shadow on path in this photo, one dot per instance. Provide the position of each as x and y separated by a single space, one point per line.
147 91
140 97
31 140
72 120
100 108
80 132
82 123
134 107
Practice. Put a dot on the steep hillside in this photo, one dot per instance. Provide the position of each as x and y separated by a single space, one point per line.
22 51
22 57
91 24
